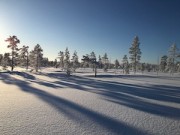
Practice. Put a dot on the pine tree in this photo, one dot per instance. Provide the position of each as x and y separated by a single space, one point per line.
61 59
163 63
85 61
116 64
13 41
142 67
100 62
6 61
125 64
92 58
24 56
32 58
75 62
67 61
36 57
173 54
135 53
93 62
105 62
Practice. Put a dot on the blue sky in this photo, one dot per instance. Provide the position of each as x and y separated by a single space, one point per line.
92 25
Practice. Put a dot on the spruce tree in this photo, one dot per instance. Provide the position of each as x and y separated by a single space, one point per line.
6 61
142 67
125 64
61 59
24 56
92 58
75 62
67 61
105 62
116 64
100 62
135 53
172 57
36 57
163 63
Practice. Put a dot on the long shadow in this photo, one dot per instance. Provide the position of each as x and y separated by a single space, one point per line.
46 83
22 74
133 96
131 101
26 75
156 92
140 76
75 111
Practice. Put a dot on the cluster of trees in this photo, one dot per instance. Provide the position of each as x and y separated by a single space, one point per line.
65 63
88 61
21 56
168 63
135 56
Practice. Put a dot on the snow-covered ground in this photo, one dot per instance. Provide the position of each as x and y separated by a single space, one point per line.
52 103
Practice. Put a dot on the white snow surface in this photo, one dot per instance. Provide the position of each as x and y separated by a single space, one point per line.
51 103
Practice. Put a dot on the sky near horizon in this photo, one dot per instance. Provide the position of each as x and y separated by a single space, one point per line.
92 25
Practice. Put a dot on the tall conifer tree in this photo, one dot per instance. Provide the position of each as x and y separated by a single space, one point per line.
135 53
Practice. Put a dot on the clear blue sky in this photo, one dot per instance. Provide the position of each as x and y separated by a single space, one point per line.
92 25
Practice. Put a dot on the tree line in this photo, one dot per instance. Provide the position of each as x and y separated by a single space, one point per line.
21 56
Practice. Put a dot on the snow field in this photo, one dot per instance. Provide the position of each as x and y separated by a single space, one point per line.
52 103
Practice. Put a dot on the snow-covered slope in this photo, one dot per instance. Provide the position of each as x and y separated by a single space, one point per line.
52 103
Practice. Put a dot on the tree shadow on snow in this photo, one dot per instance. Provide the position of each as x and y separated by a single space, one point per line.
75 111
143 98
139 77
